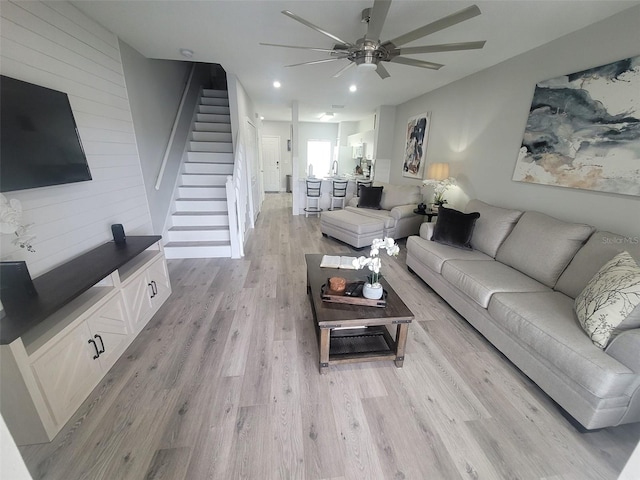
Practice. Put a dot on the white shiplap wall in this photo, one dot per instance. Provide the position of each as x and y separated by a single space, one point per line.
55 45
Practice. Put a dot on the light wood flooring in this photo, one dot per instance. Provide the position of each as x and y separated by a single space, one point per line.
223 383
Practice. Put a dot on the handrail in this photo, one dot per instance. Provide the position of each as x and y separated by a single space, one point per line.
236 188
174 128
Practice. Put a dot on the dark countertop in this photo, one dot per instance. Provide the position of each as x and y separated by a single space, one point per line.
58 287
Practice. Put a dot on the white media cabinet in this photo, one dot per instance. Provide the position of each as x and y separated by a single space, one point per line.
55 351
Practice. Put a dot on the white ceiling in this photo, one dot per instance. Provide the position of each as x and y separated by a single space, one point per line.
228 32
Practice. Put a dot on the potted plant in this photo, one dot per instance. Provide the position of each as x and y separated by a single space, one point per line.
372 288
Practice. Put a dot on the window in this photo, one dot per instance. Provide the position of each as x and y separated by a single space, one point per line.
319 157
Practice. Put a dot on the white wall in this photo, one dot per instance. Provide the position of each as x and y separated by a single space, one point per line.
155 89
282 130
478 122
54 45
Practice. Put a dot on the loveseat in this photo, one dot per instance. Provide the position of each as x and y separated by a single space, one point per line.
517 286
390 215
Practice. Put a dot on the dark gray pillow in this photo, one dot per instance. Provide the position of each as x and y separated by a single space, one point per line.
454 228
370 197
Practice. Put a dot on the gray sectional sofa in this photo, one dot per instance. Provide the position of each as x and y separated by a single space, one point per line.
517 288
359 226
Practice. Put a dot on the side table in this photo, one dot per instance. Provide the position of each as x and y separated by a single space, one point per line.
427 213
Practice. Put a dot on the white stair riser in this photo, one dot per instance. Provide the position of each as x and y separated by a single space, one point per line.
214 109
206 180
208 92
211 137
222 251
212 127
221 147
213 118
202 192
201 206
216 101
199 235
210 157
218 168
200 220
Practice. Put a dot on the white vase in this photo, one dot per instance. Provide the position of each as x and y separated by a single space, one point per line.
372 291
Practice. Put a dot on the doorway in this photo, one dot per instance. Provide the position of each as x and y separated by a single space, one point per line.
271 163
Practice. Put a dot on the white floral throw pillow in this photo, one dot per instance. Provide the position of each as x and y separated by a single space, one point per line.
609 303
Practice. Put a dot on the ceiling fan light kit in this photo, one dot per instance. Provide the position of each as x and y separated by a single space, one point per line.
369 52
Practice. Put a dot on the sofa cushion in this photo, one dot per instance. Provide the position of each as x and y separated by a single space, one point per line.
370 197
380 215
546 324
542 246
433 254
599 249
454 228
396 195
609 304
493 226
481 280
352 222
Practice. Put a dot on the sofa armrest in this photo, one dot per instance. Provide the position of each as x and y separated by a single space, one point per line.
403 211
426 230
625 347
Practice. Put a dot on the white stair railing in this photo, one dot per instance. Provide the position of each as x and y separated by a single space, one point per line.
237 193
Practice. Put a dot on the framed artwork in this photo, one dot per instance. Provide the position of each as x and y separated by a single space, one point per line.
416 147
583 131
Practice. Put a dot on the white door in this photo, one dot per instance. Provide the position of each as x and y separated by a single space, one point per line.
271 163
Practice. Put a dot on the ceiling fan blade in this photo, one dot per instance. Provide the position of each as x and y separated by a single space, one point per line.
376 19
380 70
315 27
445 47
417 63
438 25
344 69
315 61
316 49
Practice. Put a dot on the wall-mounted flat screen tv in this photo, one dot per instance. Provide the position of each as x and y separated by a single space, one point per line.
39 140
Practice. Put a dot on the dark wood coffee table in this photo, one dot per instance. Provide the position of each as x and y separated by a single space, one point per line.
338 341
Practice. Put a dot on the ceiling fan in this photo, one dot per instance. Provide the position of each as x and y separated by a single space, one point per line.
369 52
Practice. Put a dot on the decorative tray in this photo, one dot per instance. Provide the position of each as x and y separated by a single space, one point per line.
330 296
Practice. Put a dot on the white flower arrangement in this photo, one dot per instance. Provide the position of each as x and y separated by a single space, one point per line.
373 261
11 223
439 188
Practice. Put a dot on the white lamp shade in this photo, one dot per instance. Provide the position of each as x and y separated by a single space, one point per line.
438 171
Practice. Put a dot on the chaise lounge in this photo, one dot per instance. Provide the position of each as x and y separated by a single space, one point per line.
385 210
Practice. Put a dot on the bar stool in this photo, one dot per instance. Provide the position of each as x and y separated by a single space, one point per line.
313 195
362 183
338 192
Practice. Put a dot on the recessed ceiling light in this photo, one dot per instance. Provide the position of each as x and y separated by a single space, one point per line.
185 52
353 88
261 117
277 84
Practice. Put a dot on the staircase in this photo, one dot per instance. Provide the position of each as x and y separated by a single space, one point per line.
200 222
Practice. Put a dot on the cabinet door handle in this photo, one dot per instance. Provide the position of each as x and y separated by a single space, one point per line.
152 291
91 340
155 287
101 343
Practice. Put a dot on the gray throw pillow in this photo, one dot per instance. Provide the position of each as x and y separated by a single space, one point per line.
454 228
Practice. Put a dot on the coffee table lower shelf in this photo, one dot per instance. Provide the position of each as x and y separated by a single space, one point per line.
364 344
